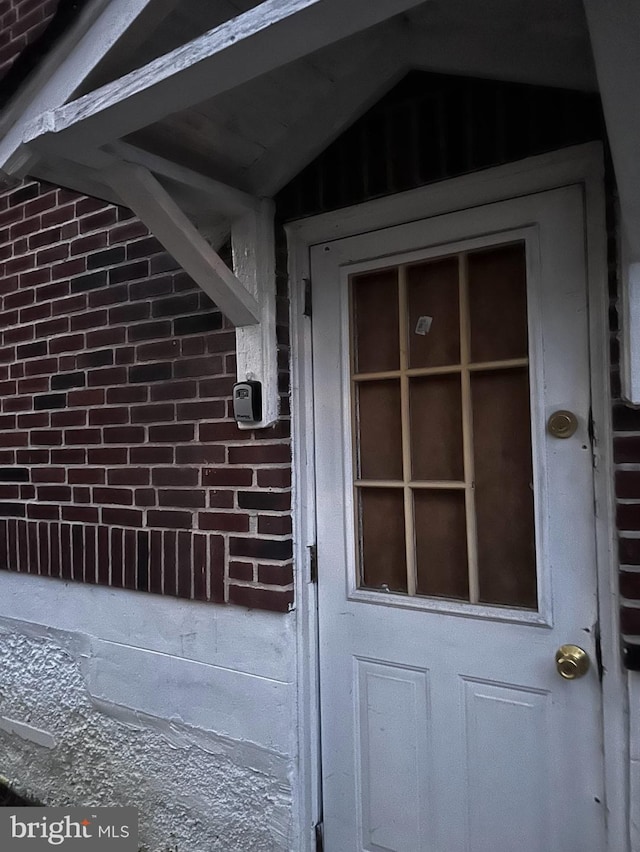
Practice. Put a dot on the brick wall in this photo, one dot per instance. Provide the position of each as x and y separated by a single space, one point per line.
119 460
626 450
22 22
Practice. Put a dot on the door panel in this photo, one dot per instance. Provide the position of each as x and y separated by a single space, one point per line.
499 809
392 741
455 536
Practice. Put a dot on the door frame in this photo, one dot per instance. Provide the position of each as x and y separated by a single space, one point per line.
581 165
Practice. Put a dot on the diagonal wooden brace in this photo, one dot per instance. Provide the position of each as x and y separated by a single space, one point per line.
246 296
153 205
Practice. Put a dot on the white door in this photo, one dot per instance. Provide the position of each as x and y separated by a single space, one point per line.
456 534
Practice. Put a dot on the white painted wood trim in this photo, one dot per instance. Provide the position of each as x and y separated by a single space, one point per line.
253 244
630 327
75 176
247 296
534 174
228 199
266 37
583 165
97 31
307 804
543 615
615 38
615 682
142 193
201 190
209 203
615 35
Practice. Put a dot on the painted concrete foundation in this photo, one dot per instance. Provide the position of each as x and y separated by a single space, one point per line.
180 709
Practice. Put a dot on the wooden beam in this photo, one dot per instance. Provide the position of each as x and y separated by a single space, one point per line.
209 204
615 37
96 32
252 240
141 29
77 177
226 198
153 205
630 327
268 36
383 64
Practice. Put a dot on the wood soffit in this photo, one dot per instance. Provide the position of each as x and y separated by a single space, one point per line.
284 75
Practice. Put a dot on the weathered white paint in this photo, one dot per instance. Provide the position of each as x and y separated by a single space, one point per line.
27 732
634 765
153 205
300 107
582 164
270 35
253 244
615 36
184 710
227 199
246 296
234 638
634 786
95 33
223 701
76 176
614 687
307 804
630 322
465 713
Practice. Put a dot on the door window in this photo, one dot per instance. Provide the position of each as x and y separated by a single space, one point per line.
440 399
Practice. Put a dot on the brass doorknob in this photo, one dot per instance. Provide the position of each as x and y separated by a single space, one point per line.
562 424
571 661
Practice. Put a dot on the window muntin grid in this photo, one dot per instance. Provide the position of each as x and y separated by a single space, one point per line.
440 387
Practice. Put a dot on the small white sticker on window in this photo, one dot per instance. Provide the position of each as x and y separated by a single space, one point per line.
423 325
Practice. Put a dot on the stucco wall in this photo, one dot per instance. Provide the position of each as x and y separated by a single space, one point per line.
113 698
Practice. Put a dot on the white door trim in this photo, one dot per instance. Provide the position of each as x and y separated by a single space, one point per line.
580 165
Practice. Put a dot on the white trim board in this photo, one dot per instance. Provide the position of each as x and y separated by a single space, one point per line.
581 165
255 42
615 36
96 33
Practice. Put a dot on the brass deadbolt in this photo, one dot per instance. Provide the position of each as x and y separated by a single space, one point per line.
562 424
571 662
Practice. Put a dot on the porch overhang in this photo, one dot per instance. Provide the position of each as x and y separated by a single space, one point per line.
143 138
79 143
615 36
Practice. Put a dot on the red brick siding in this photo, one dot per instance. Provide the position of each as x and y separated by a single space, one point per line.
119 460
21 23
626 452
